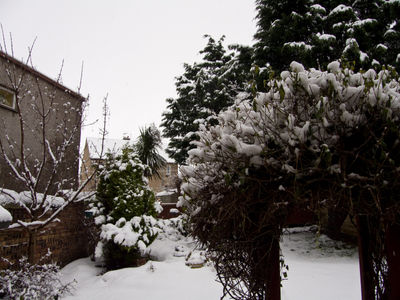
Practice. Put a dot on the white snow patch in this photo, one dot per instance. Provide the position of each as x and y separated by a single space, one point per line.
5 215
298 45
316 267
340 8
326 37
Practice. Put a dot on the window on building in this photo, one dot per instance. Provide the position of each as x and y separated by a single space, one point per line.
7 98
168 171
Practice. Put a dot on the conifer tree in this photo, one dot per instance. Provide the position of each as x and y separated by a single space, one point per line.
284 33
203 90
364 33
125 209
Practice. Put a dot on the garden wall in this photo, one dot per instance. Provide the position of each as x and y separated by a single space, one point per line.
167 213
67 239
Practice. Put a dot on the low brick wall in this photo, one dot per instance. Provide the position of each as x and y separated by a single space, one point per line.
67 239
166 213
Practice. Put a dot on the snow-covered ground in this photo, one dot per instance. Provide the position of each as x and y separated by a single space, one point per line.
317 270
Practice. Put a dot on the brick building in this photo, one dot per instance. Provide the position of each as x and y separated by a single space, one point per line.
40 128
36 94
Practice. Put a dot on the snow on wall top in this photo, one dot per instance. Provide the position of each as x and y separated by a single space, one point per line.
168 192
5 215
24 198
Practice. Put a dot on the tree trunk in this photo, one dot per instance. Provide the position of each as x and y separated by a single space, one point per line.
32 235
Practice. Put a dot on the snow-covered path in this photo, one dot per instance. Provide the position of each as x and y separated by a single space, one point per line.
323 270
164 280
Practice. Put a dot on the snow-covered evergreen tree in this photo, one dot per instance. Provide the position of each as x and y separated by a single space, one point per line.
124 209
362 32
203 90
390 48
285 29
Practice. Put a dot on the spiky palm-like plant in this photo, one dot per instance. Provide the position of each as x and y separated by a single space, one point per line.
147 146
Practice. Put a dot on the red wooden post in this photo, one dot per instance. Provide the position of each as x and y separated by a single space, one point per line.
366 268
393 260
273 272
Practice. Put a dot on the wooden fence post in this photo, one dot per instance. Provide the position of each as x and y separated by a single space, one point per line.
274 272
393 260
366 268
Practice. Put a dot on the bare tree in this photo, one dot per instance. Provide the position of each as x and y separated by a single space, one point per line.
40 145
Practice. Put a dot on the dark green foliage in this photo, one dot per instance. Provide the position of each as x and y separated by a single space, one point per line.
364 33
203 90
123 195
122 191
281 22
117 257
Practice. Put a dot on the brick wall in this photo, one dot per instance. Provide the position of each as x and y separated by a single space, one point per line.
166 213
168 175
67 239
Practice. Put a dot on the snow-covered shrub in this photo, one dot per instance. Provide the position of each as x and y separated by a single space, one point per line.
315 137
124 210
32 281
177 226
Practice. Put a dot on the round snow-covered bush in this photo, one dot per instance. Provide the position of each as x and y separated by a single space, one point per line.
124 209
315 138
296 128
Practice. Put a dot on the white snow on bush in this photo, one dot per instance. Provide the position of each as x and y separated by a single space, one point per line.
298 45
299 111
133 233
326 37
158 207
340 9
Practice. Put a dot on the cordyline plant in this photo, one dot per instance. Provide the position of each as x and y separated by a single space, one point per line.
314 139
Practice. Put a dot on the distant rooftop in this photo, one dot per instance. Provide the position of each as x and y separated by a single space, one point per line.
114 146
110 145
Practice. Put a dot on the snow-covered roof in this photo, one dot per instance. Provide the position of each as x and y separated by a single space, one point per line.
110 145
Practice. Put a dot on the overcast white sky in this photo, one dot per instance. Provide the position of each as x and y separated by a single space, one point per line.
131 49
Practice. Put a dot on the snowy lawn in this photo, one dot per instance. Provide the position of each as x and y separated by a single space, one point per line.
317 270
